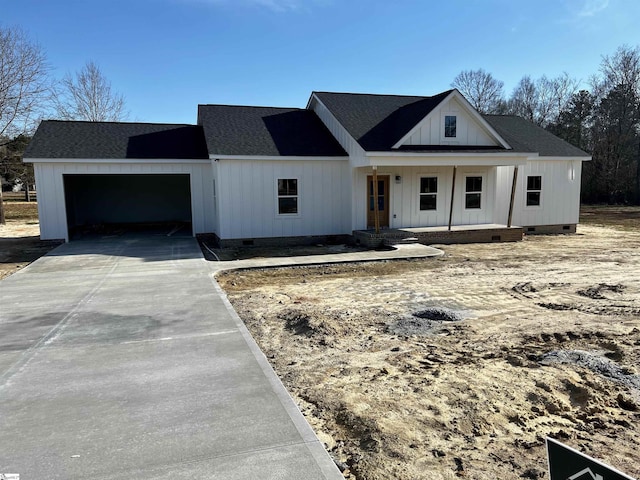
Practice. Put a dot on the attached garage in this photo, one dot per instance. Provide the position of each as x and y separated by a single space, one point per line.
127 200
129 175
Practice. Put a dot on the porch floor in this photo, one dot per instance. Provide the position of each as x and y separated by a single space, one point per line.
481 233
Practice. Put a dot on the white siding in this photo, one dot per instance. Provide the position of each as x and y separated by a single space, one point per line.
247 198
404 206
560 198
215 204
468 131
51 200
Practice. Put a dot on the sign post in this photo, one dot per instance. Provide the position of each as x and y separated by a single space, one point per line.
565 463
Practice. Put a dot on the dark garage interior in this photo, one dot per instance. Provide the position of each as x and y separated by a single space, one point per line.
124 202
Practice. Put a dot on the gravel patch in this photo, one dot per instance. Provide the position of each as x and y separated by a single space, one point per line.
595 362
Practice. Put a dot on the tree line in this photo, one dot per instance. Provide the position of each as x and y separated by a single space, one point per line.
603 119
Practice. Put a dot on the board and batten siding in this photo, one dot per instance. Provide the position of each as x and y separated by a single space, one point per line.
51 198
215 204
560 196
247 198
468 130
404 206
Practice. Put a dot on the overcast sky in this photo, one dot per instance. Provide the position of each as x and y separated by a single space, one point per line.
166 56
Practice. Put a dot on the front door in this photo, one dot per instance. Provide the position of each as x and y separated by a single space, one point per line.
383 201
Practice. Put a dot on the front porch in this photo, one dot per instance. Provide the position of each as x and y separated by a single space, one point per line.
482 233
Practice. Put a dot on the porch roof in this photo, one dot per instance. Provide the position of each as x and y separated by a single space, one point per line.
489 158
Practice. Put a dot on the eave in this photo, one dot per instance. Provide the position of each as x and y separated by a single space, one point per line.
116 160
216 157
559 159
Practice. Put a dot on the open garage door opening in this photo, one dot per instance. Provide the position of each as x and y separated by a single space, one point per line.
115 204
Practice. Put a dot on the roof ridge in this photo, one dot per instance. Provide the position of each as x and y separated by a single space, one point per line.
446 92
121 123
247 106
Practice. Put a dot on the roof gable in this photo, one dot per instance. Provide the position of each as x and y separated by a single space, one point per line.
472 129
377 122
266 131
101 140
382 123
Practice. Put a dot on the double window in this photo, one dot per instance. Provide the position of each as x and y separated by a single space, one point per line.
473 192
287 196
450 124
428 193
534 190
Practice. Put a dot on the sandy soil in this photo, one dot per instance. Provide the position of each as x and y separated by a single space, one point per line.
460 366
20 242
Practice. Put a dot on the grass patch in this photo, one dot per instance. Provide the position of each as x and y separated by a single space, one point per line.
621 217
27 211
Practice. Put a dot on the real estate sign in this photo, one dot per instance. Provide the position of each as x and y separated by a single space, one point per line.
565 463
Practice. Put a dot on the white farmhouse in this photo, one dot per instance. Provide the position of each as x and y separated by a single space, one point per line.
370 167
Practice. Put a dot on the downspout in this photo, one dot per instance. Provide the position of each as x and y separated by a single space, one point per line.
513 195
453 191
376 210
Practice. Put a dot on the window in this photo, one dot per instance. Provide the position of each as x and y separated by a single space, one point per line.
287 196
473 192
534 189
450 126
428 193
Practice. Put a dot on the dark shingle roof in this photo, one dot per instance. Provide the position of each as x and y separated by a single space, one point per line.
266 131
72 139
524 136
378 122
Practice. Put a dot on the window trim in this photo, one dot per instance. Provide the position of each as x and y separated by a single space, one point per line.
481 192
436 194
278 197
455 127
527 191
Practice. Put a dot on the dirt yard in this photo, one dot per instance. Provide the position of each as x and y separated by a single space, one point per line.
20 242
460 366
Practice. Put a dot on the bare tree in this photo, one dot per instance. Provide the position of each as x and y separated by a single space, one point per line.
564 89
25 87
542 100
481 90
553 96
25 83
621 70
88 96
524 99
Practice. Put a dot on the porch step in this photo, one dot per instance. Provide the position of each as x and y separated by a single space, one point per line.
400 241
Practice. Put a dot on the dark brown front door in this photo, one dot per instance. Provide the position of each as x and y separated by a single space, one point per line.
383 201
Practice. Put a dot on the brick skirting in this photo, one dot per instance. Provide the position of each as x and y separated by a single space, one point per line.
277 241
370 239
486 235
549 229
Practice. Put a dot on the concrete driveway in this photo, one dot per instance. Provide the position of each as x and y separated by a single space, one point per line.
121 358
